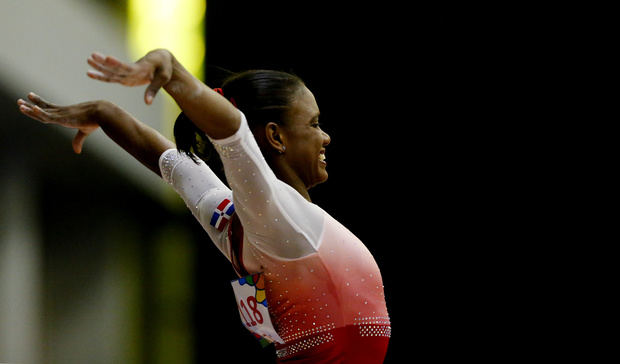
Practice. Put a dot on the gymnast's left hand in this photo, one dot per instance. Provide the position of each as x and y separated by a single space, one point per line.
82 117
154 70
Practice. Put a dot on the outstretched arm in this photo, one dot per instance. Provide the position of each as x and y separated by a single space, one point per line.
141 141
211 112
197 185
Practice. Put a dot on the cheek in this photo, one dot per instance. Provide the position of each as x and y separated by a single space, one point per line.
306 148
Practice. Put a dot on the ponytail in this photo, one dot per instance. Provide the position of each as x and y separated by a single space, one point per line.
192 141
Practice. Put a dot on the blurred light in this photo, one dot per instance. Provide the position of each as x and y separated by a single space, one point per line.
176 25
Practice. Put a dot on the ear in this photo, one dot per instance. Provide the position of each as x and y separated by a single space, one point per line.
274 136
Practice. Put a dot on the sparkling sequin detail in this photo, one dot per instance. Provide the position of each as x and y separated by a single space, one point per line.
229 151
373 320
305 345
375 330
372 326
167 164
291 335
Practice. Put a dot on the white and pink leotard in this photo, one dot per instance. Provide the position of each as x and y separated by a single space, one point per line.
324 289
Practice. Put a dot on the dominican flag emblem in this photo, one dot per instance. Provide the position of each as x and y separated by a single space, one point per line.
222 214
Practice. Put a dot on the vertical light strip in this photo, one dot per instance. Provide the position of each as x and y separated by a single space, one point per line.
177 25
173 284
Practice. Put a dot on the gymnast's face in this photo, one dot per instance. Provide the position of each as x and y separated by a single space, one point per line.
305 141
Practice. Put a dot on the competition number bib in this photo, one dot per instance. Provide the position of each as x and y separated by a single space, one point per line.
252 304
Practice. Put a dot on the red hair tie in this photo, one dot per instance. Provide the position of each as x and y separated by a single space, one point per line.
221 92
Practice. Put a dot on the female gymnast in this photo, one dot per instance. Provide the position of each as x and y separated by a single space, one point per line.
306 282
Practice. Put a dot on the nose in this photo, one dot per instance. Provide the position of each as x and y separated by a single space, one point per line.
326 139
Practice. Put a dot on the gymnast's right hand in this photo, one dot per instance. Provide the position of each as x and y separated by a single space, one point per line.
79 116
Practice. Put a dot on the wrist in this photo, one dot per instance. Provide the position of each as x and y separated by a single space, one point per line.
181 83
102 111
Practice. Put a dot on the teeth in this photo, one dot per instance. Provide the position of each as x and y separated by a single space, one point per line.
322 157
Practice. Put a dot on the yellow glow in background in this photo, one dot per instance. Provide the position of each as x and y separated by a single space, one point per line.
177 25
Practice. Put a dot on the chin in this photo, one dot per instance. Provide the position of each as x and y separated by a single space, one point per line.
318 181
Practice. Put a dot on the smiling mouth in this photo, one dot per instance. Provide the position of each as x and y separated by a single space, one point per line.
322 157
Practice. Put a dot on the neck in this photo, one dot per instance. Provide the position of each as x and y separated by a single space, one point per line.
288 176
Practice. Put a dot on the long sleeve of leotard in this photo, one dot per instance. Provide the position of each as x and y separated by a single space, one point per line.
201 190
275 217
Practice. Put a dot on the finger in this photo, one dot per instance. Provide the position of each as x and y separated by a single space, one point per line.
115 63
109 63
44 116
97 56
100 66
35 112
24 107
78 142
29 110
37 100
158 81
100 76
150 93
41 114
27 103
103 70
103 73
152 89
